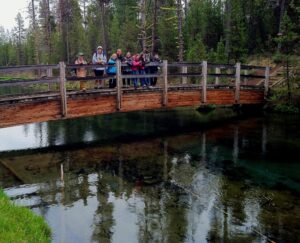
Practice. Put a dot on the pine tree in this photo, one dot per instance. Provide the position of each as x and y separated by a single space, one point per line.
19 37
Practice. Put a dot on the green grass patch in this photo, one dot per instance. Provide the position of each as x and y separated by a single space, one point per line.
10 78
20 224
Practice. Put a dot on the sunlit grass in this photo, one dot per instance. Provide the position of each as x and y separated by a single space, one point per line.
19 224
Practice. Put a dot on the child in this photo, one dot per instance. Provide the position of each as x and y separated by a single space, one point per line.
112 70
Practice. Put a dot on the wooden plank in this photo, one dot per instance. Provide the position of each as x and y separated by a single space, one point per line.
165 83
94 66
204 81
78 107
27 68
220 97
23 113
184 70
237 82
133 101
63 91
267 80
49 75
184 98
119 85
217 79
12 83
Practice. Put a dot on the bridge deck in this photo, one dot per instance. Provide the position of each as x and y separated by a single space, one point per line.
47 106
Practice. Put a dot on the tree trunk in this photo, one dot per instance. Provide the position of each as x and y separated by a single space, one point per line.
103 24
180 35
228 8
185 8
154 29
282 9
49 31
143 24
34 27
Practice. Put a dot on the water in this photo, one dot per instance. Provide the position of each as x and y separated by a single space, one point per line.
175 176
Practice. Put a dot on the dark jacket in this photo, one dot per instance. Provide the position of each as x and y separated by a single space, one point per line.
128 61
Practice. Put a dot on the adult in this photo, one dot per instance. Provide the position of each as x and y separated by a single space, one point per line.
147 59
127 70
81 71
142 71
99 58
120 56
154 69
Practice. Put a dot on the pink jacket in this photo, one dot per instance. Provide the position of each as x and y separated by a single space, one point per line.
135 65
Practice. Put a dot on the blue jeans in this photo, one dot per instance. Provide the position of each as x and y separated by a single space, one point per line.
135 80
144 81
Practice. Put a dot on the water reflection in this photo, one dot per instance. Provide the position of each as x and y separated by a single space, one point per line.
107 128
221 184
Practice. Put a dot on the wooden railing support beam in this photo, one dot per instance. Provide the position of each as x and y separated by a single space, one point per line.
267 80
49 74
119 85
204 82
184 70
165 84
217 80
237 82
63 91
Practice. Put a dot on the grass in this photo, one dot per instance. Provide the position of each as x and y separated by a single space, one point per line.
20 224
9 78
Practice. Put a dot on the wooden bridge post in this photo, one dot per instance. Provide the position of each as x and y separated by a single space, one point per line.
49 74
267 80
204 81
184 70
217 80
63 91
237 82
165 85
119 85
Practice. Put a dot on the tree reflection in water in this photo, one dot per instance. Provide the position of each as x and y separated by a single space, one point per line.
194 187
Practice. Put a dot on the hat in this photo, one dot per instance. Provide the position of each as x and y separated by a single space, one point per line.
99 47
80 54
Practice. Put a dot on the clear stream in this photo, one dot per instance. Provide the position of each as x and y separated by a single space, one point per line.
159 176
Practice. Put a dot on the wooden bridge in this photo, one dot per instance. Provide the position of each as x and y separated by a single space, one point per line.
52 98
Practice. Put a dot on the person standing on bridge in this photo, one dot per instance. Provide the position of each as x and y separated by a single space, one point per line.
136 64
99 58
81 71
127 69
112 70
120 56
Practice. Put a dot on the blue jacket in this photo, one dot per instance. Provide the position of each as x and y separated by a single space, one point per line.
112 70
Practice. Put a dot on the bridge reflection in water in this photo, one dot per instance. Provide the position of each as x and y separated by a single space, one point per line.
195 187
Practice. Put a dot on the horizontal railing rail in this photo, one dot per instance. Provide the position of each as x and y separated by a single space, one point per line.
28 68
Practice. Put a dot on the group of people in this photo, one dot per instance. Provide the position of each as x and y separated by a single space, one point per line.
136 64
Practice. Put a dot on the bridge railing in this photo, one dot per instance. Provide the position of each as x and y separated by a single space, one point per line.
58 80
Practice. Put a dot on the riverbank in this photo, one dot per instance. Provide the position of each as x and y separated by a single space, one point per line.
19 224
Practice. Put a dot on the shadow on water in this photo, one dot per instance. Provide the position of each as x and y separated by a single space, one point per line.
198 184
